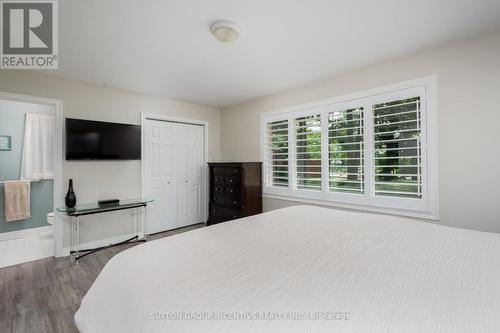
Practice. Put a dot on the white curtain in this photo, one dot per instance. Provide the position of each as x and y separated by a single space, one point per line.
38 149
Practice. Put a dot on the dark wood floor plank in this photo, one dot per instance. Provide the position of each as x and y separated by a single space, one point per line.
43 295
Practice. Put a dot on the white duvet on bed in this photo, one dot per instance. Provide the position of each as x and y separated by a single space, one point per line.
387 274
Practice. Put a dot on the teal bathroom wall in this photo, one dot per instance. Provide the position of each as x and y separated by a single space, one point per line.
12 118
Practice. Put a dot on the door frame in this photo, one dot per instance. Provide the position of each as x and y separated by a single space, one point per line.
150 116
58 160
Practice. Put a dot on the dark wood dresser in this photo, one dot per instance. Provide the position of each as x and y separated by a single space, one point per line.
235 190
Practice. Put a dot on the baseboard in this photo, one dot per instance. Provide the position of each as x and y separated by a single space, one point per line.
21 246
99 243
5 236
178 228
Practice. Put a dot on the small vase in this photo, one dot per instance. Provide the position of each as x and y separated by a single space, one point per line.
70 198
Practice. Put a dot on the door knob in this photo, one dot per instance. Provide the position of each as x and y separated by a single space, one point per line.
185 181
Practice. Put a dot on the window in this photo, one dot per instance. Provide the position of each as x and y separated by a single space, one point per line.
373 151
346 151
308 152
398 160
277 147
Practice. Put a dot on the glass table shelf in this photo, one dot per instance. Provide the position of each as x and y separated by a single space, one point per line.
95 208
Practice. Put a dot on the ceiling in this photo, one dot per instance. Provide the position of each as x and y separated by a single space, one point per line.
164 47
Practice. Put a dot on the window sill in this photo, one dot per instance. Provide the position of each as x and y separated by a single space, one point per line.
373 209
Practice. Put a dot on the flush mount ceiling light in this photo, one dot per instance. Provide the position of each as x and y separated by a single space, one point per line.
225 31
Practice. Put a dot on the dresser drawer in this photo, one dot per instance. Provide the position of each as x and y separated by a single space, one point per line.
233 180
223 213
219 179
227 171
227 201
233 191
214 220
219 188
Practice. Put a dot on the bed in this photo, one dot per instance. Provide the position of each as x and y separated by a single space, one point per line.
302 269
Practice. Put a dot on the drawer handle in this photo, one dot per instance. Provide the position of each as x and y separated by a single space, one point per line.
230 180
234 216
232 191
215 198
214 211
235 203
217 179
216 188
235 170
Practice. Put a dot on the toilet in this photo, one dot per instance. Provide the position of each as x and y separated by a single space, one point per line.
50 218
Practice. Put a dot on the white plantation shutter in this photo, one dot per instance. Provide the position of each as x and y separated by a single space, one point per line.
277 160
397 147
376 152
346 151
308 152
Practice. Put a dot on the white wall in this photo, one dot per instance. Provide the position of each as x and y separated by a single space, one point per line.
469 123
94 180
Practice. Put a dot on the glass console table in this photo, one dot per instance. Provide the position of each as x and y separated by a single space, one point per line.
94 208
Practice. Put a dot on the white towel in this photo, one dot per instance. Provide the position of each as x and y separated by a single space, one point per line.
17 200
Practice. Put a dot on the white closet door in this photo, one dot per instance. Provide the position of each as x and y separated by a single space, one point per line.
161 175
192 175
175 175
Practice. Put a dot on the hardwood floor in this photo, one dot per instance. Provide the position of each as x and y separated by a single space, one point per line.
43 295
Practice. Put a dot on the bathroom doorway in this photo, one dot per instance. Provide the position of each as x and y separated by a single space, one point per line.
30 178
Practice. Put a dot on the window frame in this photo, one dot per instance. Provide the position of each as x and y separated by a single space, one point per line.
426 207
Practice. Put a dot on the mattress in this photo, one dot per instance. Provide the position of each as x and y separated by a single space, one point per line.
302 269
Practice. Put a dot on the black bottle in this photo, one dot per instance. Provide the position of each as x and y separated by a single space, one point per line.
70 198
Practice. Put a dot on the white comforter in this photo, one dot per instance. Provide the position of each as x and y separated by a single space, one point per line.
377 273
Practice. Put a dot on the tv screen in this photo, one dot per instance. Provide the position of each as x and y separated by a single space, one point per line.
97 140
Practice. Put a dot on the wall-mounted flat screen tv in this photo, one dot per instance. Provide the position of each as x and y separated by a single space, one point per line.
97 140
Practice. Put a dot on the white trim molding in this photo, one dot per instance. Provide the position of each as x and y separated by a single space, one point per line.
21 246
58 159
10 235
369 198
